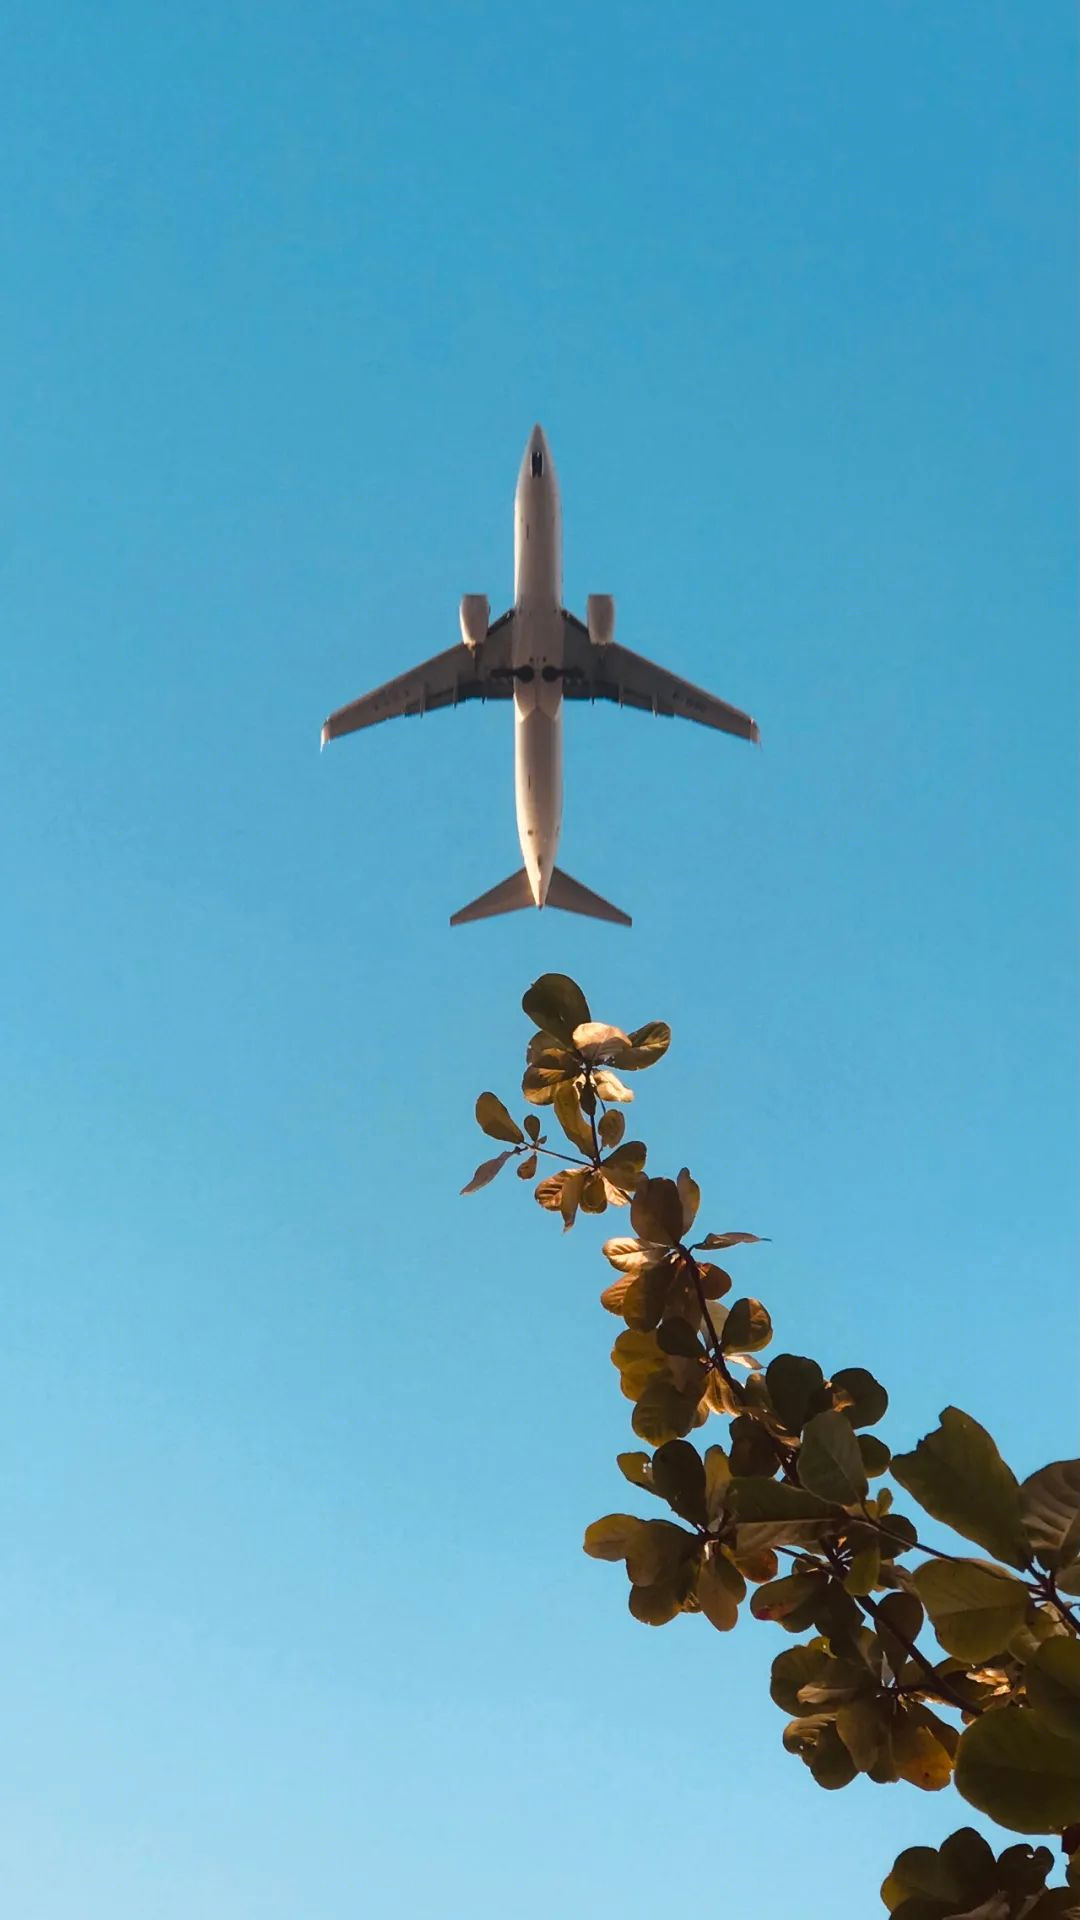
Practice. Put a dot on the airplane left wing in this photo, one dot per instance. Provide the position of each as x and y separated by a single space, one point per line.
614 673
458 674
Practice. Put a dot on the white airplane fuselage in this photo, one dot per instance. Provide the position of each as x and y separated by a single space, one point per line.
537 662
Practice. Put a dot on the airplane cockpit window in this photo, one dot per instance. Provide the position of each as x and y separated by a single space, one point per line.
537 464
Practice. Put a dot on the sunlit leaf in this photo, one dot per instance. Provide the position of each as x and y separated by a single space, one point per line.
486 1172
593 1193
595 1041
818 1744
644 1047
958 1475
1016 1769
614 1297
637 1468
747 1328
922 1748
658 1551
567 1104
611 1127
613 1537
1050 1508
974 1607
556 1004
570 1196
538 1084
719 1588
493 1117
629 1255
609 1087
865 1569
1053 1685
663 1411
830 1463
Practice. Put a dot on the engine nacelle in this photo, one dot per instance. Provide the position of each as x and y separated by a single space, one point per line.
600 619
474 616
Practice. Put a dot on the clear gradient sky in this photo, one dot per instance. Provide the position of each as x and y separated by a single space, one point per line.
297 1445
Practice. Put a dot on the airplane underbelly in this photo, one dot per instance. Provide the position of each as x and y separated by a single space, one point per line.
538 792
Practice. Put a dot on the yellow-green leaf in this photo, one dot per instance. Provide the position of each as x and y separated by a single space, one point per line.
718 1589
613 1537
919 1749
493 1117
830 1463
1016 1769
959 1476
973 1606
1053 1685
1050 1508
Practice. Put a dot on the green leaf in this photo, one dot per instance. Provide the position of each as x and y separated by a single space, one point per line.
658 1551
818 1744
718 1589
656 1212
756 1500
786 1600
1053 1685
793 1382
974 1607
859 1396
971 1863
557 1005
922 1870
678 1476
959 1476
899 1622
567 1104
663 1412
644 1047
747 1328
486 1172
753 1455
611 1126
1016 1769
637 1468
830 1463
717 1481
613 1537
655 1605
923 1748
862 1724
1050 1509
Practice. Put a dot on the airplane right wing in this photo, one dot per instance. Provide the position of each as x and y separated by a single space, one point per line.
458 674
614 673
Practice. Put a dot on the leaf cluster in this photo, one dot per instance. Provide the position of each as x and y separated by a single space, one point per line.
781 1522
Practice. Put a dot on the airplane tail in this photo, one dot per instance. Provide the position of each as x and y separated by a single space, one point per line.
512 894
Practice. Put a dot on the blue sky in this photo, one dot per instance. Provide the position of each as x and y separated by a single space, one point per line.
299 1446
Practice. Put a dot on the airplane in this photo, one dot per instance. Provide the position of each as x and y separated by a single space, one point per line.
538 655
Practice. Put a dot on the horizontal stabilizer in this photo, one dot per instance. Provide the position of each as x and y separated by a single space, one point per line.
507 897
572 897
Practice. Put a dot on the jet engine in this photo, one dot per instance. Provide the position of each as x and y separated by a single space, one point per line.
474 612
600 618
